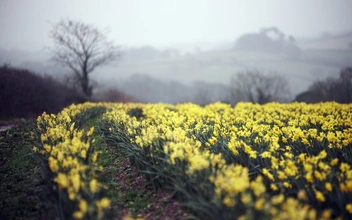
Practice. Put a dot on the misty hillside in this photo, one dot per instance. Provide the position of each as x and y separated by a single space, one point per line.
153 90
328 41
172 75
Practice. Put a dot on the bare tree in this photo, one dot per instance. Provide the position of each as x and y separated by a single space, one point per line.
258 87
324 89
202 93
82 48
332 89
346 85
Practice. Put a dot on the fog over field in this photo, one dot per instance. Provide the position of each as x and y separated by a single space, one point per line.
176 51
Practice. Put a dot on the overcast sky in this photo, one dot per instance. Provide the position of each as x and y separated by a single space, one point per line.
25 24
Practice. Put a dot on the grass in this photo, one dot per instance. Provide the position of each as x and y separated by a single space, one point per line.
22 194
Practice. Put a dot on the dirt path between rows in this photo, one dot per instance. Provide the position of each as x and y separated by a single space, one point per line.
6 127
161 206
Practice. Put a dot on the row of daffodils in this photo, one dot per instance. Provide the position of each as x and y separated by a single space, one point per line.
273 161
72 162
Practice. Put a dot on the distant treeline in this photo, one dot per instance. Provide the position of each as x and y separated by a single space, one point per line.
330 89
249 86
24 94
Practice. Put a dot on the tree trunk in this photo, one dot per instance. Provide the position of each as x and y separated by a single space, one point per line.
86 88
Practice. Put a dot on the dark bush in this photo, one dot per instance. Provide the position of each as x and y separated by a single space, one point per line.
25 94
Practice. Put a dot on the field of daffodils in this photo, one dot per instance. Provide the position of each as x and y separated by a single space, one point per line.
272 161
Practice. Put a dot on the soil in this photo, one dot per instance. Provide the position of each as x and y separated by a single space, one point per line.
158 204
